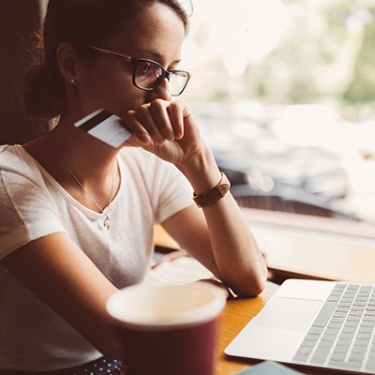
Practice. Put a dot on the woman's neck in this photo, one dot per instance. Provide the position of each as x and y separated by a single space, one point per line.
79 163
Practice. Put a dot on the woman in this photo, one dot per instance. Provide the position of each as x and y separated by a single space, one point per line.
77 214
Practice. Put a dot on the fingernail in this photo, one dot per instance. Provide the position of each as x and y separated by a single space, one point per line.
144 137
179 135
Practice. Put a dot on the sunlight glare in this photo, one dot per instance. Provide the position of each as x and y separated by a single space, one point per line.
241 31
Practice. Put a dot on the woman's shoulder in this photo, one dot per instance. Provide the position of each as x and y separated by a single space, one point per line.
12 154
15 150
6 149
14 159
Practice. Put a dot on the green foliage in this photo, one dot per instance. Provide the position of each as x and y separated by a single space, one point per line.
319 59
326 56
362 86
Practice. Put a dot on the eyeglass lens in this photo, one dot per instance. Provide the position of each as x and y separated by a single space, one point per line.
149 75
177 82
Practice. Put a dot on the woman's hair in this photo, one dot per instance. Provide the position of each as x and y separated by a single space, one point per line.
82 23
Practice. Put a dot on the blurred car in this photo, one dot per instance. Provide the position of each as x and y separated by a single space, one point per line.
257 162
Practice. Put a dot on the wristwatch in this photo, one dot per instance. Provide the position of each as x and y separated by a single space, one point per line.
211 197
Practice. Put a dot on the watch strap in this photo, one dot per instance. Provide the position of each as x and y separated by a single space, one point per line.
212 196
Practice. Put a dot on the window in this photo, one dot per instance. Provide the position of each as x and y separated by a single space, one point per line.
284 92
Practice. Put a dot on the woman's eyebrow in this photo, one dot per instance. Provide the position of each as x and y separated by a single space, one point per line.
155 54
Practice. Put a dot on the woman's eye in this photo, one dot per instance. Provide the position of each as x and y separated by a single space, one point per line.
145 69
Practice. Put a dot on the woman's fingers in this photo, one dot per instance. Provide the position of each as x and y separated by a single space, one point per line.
176 116
159 117
159 120
136 127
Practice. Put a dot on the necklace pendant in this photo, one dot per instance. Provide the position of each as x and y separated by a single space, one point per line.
107 222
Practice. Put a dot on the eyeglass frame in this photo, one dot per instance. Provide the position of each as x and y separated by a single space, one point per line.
136 60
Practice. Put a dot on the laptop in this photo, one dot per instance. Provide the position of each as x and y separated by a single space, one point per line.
320 324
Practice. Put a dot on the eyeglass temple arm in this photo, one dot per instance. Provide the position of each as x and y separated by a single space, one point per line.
128 58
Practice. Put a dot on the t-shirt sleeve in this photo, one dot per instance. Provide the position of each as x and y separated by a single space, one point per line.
175 192
27 210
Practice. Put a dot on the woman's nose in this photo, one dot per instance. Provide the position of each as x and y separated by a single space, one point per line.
162 91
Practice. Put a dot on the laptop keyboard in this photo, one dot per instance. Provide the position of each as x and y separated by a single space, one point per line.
342 335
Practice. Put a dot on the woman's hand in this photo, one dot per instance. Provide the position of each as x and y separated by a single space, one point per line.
166 129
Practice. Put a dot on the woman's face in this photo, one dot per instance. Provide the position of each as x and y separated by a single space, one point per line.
157 33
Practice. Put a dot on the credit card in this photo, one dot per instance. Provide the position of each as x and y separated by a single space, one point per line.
104 126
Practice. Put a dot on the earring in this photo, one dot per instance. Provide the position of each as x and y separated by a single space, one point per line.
72 81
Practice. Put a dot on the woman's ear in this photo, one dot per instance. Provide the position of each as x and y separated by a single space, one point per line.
66 61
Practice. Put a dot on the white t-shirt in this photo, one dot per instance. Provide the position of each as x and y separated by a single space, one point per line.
33 205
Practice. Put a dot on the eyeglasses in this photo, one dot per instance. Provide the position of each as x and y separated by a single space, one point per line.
148 74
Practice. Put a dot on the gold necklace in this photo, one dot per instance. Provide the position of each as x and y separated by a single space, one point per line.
107 220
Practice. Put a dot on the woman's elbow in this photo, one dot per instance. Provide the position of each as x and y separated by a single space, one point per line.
251 284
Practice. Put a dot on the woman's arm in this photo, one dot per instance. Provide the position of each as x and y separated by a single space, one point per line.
57 271
217 235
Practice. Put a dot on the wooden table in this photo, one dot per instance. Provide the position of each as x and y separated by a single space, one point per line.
236 315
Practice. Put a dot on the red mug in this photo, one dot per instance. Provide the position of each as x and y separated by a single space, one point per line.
168 330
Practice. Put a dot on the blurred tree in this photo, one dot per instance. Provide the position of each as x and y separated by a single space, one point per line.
314 59
362 86
326 56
